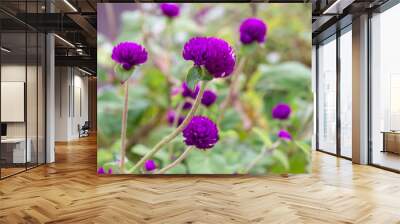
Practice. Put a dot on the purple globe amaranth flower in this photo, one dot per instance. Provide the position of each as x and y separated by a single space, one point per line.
220 58
129 54
215 54
284 135
196 50
201 132
171 118
187 92
170 10
101 170
281 111
209 97
180 120
176 90
252 29
187 105
150 165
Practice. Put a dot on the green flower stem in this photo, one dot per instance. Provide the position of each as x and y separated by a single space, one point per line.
176 162
175 133
123 127
261 155
174 123
232 90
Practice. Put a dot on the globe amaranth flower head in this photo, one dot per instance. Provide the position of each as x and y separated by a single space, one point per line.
187 105
215 54
281 111
284 135
171 118
170 10
102 171
209 97
201 132
150 165
187 92
176 90
129 54
252 29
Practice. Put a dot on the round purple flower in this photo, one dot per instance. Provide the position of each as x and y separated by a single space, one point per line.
170 9
171 118
187 105
209 97
201 132
252 29
180 120
129 54
196 50
281 111
220 58
176 90
150 165
284 135
187 92
101 170
215 54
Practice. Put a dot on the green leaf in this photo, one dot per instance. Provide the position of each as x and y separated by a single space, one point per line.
123 74
194 76
305 148
263 136
142 150
282 158
299 163
104 156
178 169
206 76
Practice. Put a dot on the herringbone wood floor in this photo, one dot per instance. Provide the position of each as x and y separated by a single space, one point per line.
70 192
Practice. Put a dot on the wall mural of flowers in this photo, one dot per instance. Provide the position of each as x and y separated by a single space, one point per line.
204 88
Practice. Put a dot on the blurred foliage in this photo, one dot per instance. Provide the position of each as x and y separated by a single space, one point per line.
278 71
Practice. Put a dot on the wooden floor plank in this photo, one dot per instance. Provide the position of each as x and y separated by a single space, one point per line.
69 191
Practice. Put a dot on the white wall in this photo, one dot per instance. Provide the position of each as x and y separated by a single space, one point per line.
71 94
61 103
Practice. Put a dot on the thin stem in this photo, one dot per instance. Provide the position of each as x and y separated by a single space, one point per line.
174 124
123 127
178 114
175 133
261 155
178 160
247 123
232 90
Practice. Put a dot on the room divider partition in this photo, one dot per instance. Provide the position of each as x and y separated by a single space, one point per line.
22 77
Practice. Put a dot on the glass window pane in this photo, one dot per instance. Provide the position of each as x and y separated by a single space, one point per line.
41 98
14 153
31 97
346 94
385 89
327 97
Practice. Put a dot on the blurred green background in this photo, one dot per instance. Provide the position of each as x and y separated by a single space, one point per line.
278 71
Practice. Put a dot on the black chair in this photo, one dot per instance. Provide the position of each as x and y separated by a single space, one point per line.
84 130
